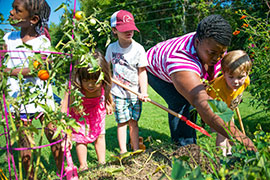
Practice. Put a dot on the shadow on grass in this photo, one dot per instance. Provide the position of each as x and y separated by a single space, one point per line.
112 143
251 121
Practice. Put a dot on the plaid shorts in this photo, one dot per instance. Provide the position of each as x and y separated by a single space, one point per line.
126 109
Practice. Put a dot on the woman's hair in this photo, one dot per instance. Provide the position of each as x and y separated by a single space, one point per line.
83 73
214 26
236 62
41 9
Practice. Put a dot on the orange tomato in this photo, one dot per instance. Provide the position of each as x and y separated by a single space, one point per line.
36 64
43 75
79 15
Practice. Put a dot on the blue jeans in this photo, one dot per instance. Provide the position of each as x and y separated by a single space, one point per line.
181 133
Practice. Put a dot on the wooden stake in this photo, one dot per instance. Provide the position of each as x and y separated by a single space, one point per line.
240 120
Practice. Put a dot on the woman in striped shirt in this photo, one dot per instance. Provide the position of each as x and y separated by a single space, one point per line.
176 69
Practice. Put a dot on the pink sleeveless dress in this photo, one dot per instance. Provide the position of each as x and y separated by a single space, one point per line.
94 122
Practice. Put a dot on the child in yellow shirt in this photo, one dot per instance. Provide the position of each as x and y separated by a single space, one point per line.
229 87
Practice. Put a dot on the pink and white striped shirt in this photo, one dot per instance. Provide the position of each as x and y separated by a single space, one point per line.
177 54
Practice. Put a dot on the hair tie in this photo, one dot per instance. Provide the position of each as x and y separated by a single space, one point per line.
238 62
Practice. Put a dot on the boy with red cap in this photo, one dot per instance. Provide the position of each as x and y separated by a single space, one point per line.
128 60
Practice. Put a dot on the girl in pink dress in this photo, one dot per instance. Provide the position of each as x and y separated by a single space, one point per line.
95 84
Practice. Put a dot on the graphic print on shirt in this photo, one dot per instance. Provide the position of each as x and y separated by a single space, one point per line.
124 72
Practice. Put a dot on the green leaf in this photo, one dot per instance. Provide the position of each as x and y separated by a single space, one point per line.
100 78
184 158
159 168
137 152
178 169
57 132
25 46
108 41
221 109
81 119
115 170
261 162
32 128
196 174
63 5
125 155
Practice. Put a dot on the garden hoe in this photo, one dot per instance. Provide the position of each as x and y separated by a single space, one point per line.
183 118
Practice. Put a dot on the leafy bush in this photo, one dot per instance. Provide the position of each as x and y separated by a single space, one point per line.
241 165
256 31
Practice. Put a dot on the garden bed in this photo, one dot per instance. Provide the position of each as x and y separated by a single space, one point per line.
151 164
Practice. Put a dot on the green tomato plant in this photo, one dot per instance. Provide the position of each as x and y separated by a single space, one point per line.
79 40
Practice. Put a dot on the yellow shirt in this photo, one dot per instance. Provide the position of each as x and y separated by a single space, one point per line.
219 89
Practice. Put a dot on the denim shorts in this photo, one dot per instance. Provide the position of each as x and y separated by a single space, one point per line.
127 109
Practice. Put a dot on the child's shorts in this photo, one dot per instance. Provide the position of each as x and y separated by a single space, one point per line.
126 109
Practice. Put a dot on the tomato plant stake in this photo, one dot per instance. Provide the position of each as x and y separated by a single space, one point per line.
183 118
71 170
240 120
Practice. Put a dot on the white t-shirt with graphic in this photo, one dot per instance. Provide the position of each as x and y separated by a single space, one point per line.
18 58
125 62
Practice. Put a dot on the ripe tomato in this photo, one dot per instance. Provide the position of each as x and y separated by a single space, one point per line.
79 15
36 64
43 75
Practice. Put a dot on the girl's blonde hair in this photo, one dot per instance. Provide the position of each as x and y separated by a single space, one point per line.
83 73
236 62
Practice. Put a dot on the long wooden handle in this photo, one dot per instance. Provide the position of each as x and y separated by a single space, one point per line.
150 100
240 120
183 118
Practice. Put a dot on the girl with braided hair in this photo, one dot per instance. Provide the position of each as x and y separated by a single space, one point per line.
176 69
31 17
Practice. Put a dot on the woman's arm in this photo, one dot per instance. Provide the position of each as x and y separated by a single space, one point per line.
188 84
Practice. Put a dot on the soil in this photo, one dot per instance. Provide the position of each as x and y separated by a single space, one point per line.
151 164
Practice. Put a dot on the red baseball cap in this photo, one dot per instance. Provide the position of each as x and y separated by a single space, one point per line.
123 21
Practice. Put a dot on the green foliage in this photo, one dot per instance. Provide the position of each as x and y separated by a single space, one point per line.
221 109
78 41
2 33
182 171
256 31
241 165
250 165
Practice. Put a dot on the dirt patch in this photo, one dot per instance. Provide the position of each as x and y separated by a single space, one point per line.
152 164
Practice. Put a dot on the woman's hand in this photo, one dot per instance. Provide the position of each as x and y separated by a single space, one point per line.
249 144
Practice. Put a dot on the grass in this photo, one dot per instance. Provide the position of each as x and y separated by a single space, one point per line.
153 123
